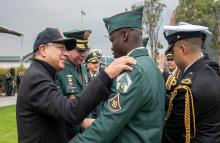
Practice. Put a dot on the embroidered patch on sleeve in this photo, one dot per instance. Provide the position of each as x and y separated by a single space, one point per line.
123 82
114 103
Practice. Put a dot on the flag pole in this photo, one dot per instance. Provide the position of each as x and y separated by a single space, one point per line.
82 13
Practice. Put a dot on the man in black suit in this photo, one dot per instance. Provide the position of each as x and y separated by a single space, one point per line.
42 111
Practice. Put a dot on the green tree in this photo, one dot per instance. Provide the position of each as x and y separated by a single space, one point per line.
152 23
201 12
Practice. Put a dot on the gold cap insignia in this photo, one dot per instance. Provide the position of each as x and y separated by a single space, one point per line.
86 35
94 54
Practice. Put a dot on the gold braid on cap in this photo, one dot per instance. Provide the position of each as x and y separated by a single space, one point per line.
81 41
81 44
188 99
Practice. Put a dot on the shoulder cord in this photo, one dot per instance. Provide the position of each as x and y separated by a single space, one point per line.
177 73
187 121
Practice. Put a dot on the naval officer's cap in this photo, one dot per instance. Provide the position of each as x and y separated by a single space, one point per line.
183 31
169 56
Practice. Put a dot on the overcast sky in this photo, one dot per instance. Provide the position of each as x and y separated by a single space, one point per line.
32 16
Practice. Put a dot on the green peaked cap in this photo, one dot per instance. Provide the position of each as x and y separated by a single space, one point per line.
128 19
93 57
81 37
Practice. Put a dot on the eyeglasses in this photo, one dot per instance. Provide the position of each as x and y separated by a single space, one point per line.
61 48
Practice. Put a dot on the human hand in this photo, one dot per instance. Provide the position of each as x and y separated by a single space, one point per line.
119 65
87 122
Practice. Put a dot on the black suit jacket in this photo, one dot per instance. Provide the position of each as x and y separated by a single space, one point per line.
205 89
42 111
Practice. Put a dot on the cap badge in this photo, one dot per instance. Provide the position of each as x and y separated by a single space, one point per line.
86 35
94 54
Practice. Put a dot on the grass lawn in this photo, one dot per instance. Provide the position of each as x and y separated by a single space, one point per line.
8 130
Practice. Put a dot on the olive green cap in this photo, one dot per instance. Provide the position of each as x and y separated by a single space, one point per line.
81 37
93 57
128 19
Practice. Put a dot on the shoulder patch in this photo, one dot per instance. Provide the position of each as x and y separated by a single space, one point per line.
114 103
123 82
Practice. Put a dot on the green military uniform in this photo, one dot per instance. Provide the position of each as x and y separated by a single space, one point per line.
73 79
134 112
135 109
94 57
69 80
